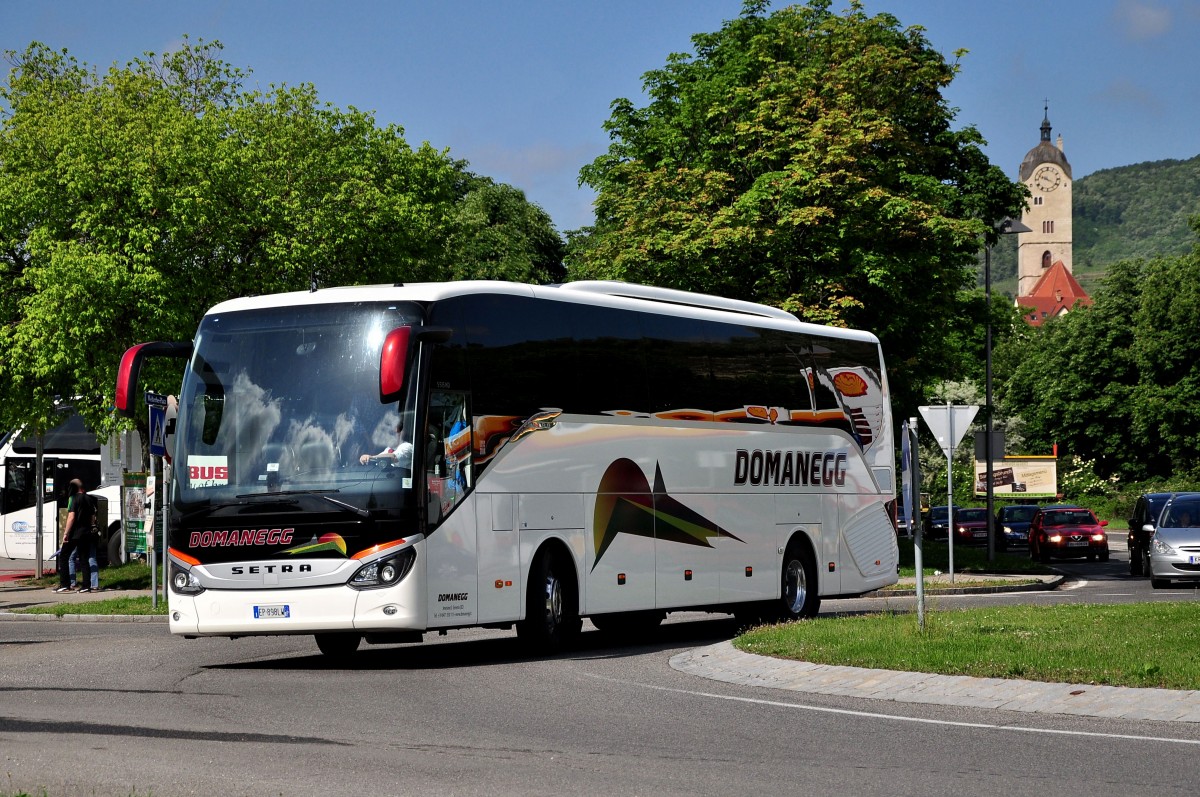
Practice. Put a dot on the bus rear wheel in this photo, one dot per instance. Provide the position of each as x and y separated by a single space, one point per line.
338 646
551 619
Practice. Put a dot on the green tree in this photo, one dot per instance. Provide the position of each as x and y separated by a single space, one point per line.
498 234
131 201
1116 384
806 160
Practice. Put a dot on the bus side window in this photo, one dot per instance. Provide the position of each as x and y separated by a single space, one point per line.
448 458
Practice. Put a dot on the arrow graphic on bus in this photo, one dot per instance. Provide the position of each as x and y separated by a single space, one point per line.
625 504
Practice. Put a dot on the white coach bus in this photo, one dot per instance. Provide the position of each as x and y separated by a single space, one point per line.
377 462
69 451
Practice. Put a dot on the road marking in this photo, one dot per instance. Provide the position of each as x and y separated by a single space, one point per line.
897 718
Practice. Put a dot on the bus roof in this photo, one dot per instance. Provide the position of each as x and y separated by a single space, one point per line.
641 298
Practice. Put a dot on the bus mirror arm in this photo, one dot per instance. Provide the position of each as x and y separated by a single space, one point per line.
131 367
434 334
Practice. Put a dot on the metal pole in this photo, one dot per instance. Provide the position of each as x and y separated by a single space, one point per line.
914 508
40 475
950 487
987 440
163 501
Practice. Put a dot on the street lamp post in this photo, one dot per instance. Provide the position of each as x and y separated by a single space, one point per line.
1005 227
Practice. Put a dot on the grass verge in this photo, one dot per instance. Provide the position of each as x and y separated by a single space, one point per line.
132 575
1140 644
936 556
141 604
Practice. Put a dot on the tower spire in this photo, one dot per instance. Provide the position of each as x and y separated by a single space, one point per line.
1046 121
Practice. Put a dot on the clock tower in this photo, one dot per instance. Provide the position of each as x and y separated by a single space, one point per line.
1048 174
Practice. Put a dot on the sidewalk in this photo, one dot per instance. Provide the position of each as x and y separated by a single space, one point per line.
16 593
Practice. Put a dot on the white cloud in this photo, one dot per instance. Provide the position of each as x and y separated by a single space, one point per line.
1142 21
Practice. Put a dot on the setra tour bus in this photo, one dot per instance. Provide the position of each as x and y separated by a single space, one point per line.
377 462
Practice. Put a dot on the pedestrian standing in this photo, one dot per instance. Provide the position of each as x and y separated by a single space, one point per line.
81 535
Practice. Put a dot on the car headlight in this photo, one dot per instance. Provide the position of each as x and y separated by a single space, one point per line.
184 582
1008 530
385 572
1054 538
1161 548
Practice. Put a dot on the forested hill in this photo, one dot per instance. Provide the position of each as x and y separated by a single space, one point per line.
1137 211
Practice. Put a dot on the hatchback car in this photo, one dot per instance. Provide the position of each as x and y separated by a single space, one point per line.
1065 531
1013 522
1174 550
1141 528
970 526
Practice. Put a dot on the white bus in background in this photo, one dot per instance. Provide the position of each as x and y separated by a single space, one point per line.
377 462
69 451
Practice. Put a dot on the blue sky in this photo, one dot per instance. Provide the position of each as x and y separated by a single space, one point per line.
521 88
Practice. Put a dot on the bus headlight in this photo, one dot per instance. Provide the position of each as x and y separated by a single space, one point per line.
183 582
385 572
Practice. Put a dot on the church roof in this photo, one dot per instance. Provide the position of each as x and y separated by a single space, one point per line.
1057 292
1044 152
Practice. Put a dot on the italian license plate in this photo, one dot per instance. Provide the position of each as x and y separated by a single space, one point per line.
1077 544
979 535
272 612
1194 560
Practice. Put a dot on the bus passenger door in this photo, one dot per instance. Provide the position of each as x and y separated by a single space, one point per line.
499 557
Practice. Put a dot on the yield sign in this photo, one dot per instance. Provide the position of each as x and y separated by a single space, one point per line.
949 423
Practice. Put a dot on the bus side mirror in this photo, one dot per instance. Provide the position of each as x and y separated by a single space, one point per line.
393 361
131 368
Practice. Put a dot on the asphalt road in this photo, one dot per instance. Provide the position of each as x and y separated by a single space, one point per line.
125 709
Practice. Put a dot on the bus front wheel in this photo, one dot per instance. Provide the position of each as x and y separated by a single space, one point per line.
799 584
552 606
338 646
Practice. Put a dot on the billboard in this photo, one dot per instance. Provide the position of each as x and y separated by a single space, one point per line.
1019 477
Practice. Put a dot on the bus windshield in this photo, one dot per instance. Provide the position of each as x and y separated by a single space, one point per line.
285 401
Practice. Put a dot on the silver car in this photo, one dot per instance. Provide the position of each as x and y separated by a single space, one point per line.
1174 550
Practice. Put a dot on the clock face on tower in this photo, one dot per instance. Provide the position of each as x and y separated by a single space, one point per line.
1047 178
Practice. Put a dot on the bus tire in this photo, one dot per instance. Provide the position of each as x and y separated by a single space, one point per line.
633 625
798 584
114 545
338 646
552 620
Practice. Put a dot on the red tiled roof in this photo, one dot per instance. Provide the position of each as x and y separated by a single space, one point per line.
1057 292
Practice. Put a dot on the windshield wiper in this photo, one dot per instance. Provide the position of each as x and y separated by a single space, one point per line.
322 494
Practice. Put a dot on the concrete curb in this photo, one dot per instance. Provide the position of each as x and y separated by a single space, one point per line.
723 662
20 617
1042 586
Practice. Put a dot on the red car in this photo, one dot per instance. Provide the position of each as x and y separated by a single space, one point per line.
1063 531
970 526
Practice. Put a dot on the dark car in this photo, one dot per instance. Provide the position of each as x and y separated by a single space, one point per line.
970 526
1064 530
937 524
1141 528
1013 522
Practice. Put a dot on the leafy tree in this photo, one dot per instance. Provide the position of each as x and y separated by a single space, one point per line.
806 160
498 234
1118 383
132 201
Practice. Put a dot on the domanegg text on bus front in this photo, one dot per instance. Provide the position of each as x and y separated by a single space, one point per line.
793 468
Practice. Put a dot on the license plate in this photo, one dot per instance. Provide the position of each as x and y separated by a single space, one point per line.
272 612
979 535
1194 560
1077 544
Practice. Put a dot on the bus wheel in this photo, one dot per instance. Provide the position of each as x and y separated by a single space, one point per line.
338 646
799 585
628 624
551 610
114 545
